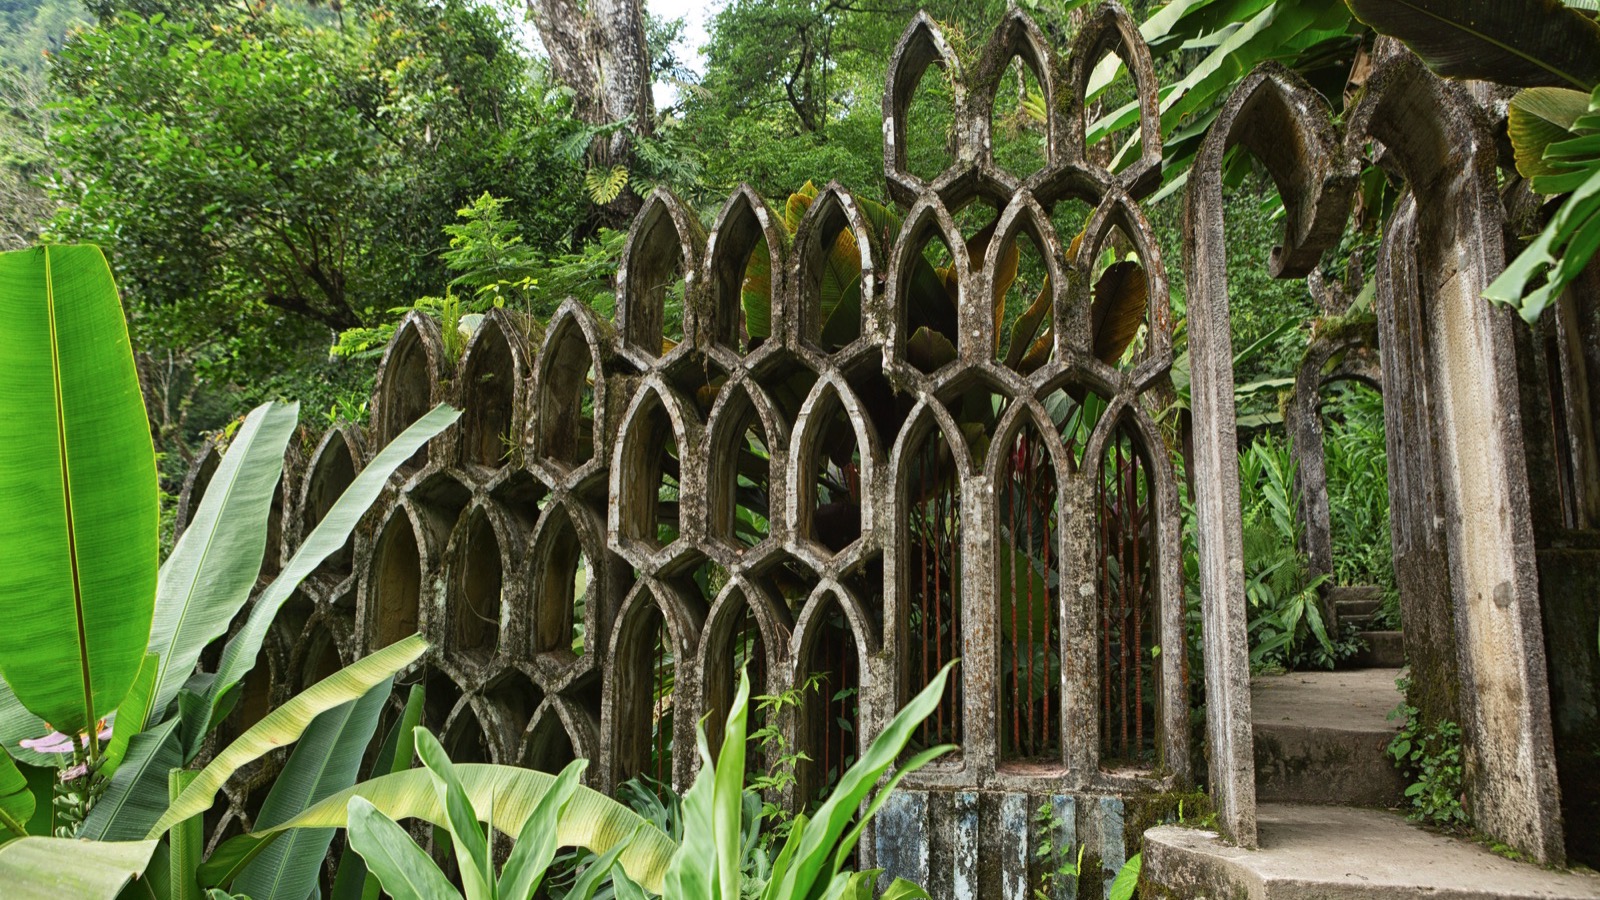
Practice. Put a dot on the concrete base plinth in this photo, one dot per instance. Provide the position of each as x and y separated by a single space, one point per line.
1337 853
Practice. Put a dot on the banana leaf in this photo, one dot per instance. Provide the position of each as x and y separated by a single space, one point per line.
285 724
17 801
1527 43
239 656
325 760
214 565
49 868
78 531
508 795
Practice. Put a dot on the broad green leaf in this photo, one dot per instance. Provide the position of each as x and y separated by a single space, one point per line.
466 834
508 794
795 209
822 833
214 565
756 293
352 881
130 715
78 531
239 656
1539 117
405 871
728 794
325 760
18 724
595 874
625 887
187 841
536 844
16 800
37 868
1558 254
285 724
137 795
1127 879
1519 42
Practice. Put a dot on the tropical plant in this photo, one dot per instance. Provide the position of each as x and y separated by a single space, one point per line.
1286 627
1552 50
705 858
112 642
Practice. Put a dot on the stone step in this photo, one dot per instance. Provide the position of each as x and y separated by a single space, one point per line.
1337 853
1385 650
1356 609
1320 737
1355 593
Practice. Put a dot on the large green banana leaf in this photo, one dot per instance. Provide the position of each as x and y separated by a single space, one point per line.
239 656
16 800
1522 42
48 868
325 760
78 532
213 567
285 724
592 821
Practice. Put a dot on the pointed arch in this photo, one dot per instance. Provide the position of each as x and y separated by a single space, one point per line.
334 464
558 733
1017 37
657 630
665 243
569 390
828 644
826 298
391 586
481 558
1030 470
1118 214
745 241
1111 31
917 292
748 630
465 738
408 382
921 45
656 430
493 372
195 484
1025 217
567 582
747 449
931 466
832 466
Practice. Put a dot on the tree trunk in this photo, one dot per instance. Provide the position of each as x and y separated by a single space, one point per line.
598 49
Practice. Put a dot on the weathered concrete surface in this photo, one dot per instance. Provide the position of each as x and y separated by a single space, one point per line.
1320 737
1335 853
1385 650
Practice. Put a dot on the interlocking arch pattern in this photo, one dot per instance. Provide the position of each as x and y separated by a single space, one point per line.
823 507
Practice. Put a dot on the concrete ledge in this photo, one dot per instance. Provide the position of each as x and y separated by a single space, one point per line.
1336 853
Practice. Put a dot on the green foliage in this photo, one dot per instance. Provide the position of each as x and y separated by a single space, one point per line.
1286 628
1557 142
1354 458
78 525
1429 756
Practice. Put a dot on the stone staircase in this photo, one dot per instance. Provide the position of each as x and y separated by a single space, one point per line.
1329 802
1385 649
